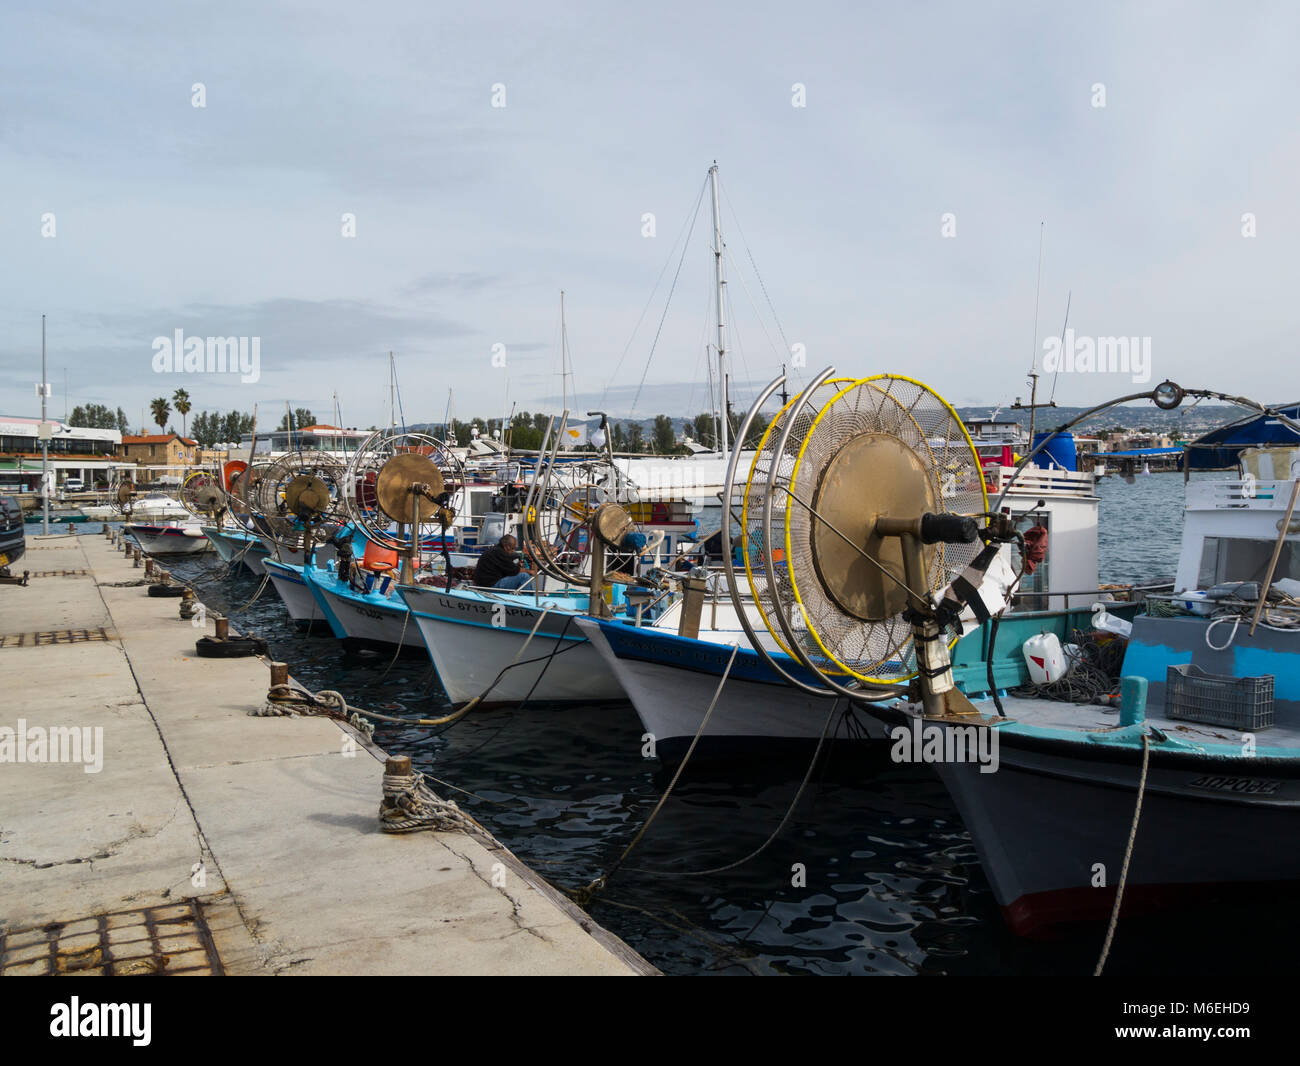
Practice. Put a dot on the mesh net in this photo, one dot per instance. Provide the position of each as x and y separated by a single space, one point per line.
359 481
266 492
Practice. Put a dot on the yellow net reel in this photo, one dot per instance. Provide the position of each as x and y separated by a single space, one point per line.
831 462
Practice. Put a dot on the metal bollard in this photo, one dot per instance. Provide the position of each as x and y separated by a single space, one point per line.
189 605
135 557
105 531
279 674
164 577
148 568
223 628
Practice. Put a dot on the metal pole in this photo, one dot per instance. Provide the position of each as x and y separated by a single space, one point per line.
45 442
722 334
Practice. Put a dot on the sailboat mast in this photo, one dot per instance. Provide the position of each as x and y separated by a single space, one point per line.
564 342
721 297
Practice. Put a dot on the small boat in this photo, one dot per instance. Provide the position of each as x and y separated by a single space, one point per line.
151 507
472 634
363 616
174 538
295 592
62 518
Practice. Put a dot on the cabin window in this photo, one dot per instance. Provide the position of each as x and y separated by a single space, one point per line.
1241 559
1032 591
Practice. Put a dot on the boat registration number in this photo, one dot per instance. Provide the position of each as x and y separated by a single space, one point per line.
1252 786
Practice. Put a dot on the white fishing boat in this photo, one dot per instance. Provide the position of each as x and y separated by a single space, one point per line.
172 538
293 589
519 645
152 507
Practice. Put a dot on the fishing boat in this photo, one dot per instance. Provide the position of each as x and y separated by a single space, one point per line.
152 507
1082 810
173 538
234 544
716 687
362 609
517 644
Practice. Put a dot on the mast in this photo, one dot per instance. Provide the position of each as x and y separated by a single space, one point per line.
392 393
45 441
722 331
564 342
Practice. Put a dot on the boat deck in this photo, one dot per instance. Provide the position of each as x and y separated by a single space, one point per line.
1042 714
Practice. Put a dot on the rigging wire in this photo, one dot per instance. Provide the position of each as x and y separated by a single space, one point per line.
667 303
761 284
691 218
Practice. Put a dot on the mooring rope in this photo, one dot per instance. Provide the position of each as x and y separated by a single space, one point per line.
409 806
1128 854
775 832
281 696
584 895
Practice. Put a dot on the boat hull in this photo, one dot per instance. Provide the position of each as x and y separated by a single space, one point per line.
558 666
1051 824
672 681
369 620
169 540
296 594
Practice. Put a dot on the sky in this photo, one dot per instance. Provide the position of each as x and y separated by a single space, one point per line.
888 175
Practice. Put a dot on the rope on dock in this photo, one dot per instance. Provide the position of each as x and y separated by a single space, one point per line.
409 806
289 700
1128 854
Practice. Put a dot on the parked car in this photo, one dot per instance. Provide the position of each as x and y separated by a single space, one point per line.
74 484
13 539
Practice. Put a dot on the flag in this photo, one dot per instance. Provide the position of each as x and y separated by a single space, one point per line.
575 435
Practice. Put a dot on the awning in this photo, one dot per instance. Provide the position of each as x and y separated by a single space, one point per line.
1221 448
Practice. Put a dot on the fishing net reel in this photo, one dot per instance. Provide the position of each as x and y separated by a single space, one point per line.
399 489
859 517
296 496
123 492
203 494
583 511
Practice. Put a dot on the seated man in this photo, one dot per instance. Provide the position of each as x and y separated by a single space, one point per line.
500 567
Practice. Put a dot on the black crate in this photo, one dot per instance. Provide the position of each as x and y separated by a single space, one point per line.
1244 703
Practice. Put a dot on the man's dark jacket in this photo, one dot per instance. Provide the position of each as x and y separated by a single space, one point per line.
493 565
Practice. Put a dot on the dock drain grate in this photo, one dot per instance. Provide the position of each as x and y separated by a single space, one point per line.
172 939
58 573
55 636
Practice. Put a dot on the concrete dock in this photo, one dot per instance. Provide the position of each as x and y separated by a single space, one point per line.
212 841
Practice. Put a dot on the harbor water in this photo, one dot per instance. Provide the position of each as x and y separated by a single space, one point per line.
873 873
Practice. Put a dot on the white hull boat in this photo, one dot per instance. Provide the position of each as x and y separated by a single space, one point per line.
170 539
473 634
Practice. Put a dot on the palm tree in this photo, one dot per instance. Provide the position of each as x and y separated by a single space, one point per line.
161 411
181 399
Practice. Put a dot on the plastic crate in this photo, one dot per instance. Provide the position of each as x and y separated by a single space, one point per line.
1244 703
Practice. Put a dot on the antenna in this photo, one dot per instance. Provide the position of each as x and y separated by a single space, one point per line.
1064 325
721 283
